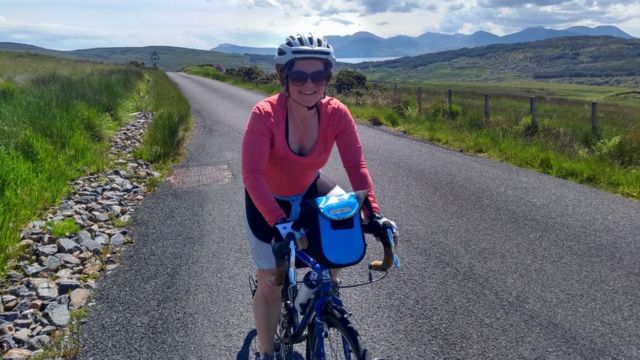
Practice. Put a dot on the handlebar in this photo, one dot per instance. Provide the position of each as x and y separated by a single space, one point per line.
389 247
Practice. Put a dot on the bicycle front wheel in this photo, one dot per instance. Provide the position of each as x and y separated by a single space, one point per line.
341 340
283 345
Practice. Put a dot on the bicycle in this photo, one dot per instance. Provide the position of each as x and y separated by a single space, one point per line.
323 321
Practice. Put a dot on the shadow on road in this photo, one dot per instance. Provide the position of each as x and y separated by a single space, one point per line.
246 353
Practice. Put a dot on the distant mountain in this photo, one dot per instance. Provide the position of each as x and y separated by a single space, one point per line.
235 49
171 58
601 60
364 44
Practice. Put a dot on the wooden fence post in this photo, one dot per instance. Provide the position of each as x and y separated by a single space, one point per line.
595 130
487 113
419 100
532 101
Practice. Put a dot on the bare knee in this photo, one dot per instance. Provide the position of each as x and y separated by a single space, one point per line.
266 290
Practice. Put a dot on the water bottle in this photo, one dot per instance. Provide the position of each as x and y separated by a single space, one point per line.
308 286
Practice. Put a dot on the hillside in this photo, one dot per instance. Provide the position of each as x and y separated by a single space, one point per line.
587 60
171 58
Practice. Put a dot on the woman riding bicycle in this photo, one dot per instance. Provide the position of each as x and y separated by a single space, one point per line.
288 139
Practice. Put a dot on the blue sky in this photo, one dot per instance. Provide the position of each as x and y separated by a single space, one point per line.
204 24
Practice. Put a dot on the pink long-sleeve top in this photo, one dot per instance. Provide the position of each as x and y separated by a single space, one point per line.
269 167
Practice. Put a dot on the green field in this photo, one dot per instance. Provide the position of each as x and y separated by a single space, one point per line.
56 120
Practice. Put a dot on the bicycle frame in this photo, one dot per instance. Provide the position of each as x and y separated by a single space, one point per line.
323 295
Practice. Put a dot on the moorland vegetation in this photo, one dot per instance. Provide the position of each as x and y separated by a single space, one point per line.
56 119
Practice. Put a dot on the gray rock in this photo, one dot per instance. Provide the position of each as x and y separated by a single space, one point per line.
33 269
125 218
35 331
6 299
23 323
92 246
38 342
48 330
116 210
100 217
9 316
85 199
25 304
22 335
38 224
7 343
47 291
20 291
64 273
14 276
64 300
101 239
17 354
67 285
79 298
58 314
47 250
126 186
68 246
83 236
118 240
52 263
68 259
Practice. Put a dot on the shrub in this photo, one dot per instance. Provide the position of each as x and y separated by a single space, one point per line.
247 73
7 90
527 126
624 150
444 111
349 80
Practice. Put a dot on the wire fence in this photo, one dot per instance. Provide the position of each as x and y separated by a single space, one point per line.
497 105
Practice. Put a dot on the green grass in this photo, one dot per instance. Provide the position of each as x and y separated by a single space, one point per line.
56 120
563 145
62 228
172 121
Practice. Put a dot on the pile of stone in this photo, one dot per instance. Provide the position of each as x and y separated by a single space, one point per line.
55 275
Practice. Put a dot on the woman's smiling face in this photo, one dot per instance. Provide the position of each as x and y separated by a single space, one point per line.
308 93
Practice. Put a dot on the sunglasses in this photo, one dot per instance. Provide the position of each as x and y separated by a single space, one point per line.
318 77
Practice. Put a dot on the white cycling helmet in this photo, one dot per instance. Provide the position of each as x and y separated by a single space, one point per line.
305 47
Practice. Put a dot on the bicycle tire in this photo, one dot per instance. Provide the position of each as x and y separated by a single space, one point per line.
284 350
340 333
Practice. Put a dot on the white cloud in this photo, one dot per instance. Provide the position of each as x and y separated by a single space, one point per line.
202 24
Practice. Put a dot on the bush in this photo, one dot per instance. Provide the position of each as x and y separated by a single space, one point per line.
444 111
349 80
527 126
624 150
7 90
247 73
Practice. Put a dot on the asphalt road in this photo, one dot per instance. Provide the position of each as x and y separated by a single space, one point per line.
497 262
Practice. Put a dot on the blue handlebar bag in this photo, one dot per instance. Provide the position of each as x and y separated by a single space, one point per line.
336 237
